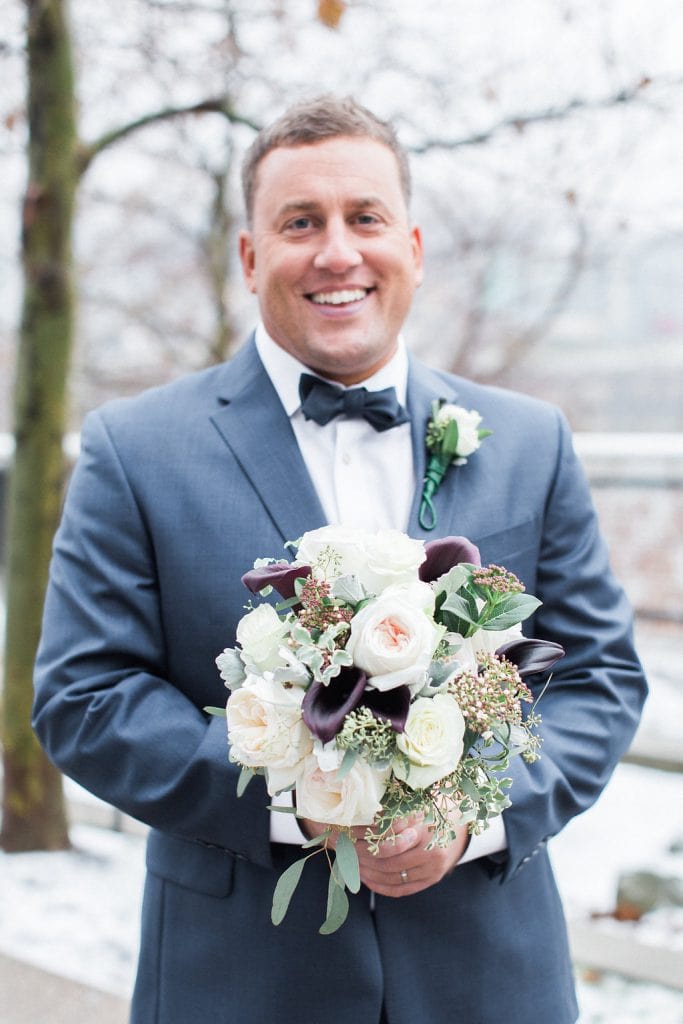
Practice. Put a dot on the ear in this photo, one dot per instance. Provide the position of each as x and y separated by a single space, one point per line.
418 254
248 259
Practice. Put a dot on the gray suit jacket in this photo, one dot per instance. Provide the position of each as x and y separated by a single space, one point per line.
175 494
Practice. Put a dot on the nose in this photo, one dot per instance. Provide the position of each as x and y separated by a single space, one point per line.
338 250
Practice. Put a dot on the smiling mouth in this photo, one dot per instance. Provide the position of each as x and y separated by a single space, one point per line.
339 298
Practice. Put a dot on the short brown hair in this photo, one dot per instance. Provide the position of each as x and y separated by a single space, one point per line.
314 120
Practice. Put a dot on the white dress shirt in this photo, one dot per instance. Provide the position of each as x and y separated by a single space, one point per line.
364 478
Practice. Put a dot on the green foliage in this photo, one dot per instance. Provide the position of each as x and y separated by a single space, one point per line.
347 862
284 890
246 775
344 874
337 903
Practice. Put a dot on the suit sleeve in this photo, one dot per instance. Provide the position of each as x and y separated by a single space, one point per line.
105 710
592 703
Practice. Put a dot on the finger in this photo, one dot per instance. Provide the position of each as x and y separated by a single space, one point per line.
397 887
394 846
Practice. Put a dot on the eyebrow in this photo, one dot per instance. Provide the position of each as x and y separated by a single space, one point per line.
312 206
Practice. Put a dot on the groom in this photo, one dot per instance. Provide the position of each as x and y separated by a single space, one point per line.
175 494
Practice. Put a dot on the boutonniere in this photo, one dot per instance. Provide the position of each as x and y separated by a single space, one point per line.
453 433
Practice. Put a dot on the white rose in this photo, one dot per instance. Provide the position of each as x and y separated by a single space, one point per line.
266 730
353 799
419 594
468 426
260 634
486 640
392 640
347 544
392 557
328 755
432 741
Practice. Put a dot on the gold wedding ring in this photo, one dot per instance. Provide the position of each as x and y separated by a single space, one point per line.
404 876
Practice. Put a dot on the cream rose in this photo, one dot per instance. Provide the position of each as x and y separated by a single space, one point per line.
353 799
468 426
266 730
392 639
432 741
348 547
260 634
392 557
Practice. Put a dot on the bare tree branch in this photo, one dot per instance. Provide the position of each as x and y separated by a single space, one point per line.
518 347
519 122
220 105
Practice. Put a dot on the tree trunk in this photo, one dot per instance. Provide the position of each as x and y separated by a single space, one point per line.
217 254
33 806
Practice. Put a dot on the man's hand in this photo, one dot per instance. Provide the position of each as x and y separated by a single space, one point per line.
403 866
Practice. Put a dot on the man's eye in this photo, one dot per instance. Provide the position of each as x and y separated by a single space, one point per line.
367 219
299 224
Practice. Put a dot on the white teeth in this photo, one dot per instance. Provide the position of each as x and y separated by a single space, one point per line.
338 298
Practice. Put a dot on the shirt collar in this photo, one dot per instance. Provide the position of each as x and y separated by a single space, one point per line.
284 371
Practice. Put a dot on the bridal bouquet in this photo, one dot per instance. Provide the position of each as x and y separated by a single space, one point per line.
388 681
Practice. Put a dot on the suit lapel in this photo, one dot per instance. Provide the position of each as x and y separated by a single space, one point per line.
424 385
255 427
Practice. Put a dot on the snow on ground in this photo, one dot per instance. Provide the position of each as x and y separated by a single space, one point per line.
77 913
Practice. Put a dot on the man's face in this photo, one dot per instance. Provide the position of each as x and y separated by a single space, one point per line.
331 254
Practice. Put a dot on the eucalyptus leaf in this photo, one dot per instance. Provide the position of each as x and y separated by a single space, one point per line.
284 890
316 840
347 862
246 775
280 809
350 758
337 907
218 712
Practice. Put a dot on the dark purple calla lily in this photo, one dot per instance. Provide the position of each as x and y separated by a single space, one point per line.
443 554
324 708
531 656
390 706
279 575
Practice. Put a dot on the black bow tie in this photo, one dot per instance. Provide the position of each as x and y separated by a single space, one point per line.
321 402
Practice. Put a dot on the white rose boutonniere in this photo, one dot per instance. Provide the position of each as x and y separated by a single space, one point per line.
453 433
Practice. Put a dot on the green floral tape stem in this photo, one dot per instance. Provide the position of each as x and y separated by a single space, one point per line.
436 471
